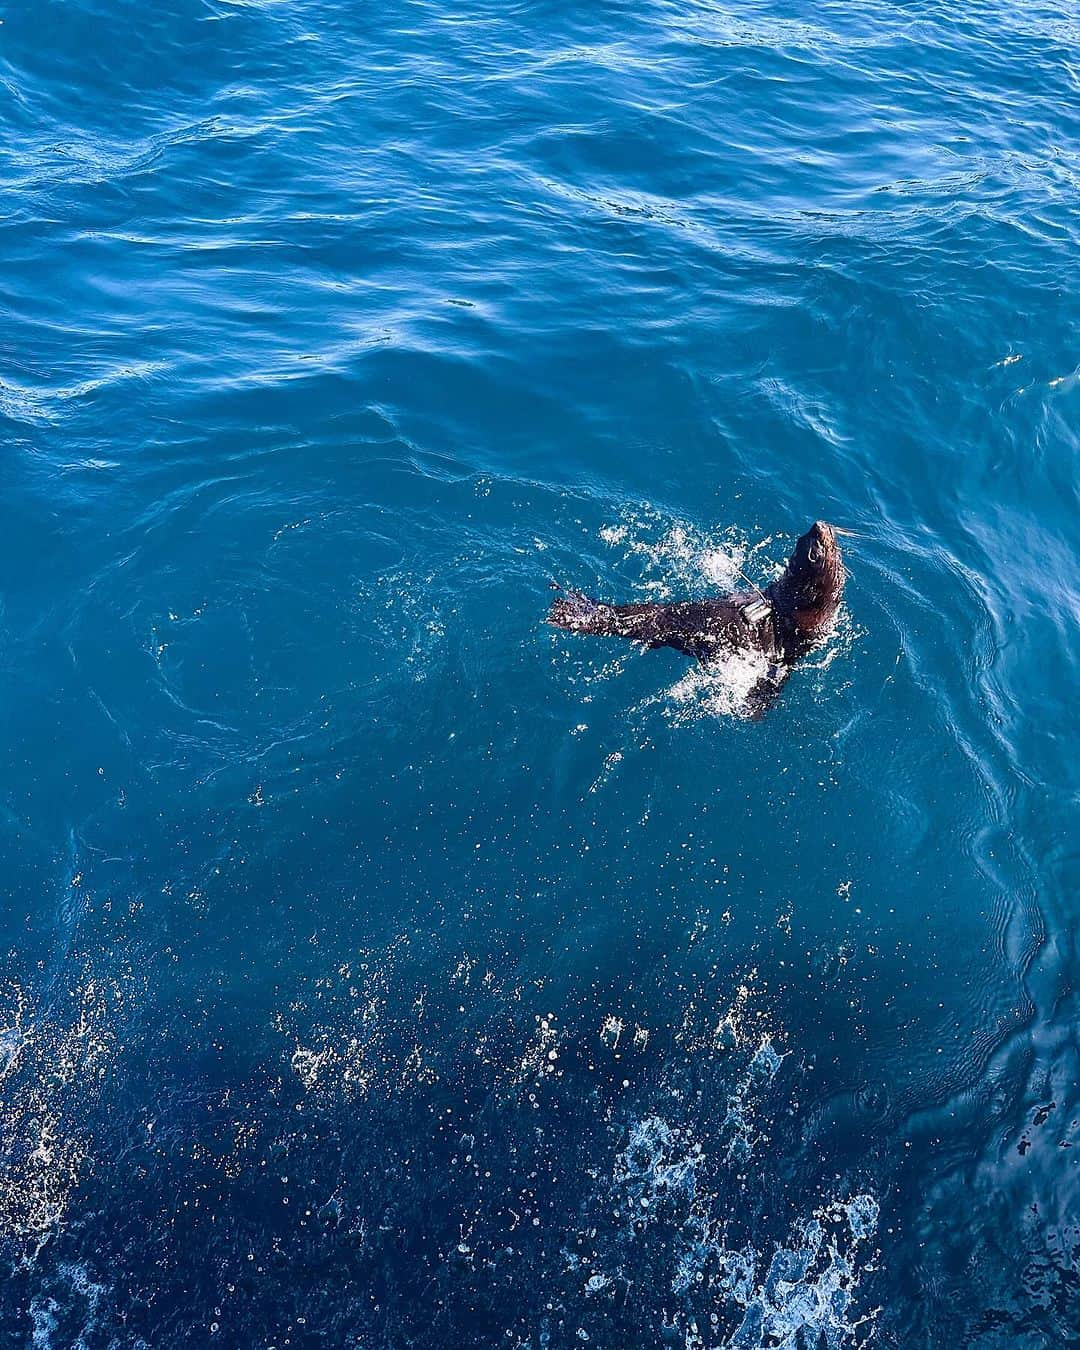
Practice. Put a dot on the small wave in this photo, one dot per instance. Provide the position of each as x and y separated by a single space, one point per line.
41 406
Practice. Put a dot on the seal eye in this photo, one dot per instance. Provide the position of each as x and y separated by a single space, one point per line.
815 554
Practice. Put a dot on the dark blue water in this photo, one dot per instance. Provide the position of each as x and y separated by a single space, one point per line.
382 968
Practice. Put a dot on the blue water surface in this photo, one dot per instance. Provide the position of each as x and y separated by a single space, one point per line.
383 968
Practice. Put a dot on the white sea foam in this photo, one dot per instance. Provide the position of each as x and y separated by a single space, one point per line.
741 1120
71 1297
802 1293
52 1064
808 1286
799 1292
674 1166
657 1164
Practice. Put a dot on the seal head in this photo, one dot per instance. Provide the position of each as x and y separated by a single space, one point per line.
808 595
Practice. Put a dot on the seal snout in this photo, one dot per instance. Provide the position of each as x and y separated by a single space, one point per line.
821 532
824 531
821 541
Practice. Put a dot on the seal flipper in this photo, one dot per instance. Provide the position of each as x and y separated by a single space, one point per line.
765 692
578 613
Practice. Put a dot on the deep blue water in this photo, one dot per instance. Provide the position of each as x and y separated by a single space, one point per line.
382 968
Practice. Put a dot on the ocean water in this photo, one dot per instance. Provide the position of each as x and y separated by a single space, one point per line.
382 968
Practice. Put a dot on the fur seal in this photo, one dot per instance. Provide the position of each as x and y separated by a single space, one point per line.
782 622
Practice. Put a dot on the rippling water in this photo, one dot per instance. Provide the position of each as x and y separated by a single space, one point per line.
382 968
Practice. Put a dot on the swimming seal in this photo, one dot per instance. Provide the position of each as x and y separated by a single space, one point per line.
782 622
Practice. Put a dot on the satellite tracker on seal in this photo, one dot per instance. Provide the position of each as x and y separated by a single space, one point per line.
781 622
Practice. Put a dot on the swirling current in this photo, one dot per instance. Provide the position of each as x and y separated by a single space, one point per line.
383 968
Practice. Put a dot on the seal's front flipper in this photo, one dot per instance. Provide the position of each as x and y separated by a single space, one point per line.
765 692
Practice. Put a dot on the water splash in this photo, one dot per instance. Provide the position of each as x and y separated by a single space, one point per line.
802 1294
678 558
53 1062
